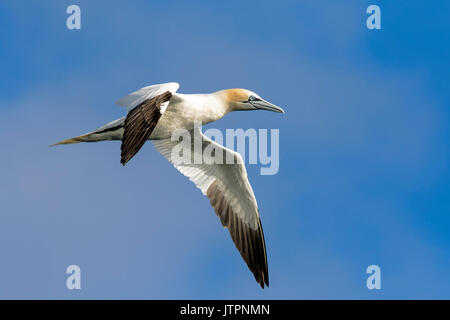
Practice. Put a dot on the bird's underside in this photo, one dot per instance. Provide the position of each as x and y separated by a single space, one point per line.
226 185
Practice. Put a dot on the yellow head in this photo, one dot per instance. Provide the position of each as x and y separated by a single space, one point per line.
243 99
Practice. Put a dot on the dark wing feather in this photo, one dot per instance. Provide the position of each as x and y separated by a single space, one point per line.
249 242
139 125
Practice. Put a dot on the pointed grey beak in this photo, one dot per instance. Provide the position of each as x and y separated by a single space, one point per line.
265 105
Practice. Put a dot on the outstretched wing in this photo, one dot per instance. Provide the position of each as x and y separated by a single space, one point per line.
139 125
229 191
137 97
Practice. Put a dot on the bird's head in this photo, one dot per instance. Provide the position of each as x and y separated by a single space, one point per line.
242 99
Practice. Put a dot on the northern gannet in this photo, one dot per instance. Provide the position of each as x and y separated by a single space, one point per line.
154 112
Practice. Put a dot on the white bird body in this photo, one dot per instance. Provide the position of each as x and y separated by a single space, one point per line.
182 112
185 109
154 112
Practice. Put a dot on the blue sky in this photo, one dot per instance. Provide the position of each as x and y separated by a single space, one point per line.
364 149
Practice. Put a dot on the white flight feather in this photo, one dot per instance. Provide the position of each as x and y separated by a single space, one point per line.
232 179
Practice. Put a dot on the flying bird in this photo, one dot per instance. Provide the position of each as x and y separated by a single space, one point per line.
154 112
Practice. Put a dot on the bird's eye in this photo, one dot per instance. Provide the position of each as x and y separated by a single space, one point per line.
252 98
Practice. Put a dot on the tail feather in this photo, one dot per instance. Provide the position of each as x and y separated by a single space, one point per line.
82 138
111 131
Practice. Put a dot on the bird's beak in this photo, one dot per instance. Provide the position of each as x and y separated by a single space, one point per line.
265 105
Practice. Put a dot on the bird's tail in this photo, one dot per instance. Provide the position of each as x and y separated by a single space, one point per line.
111 131
82 138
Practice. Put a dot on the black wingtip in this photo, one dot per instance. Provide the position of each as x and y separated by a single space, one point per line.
123 160
264 281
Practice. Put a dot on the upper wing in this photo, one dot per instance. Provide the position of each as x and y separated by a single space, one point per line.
230 194
140 123
137 97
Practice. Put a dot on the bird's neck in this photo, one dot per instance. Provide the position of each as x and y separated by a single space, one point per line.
207 107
